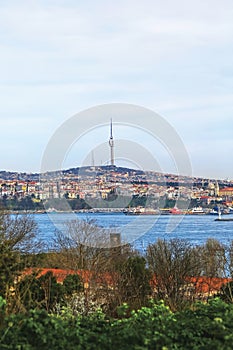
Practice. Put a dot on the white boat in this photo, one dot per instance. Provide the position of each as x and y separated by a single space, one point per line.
197 210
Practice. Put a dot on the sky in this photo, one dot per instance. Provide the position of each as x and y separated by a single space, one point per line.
58 58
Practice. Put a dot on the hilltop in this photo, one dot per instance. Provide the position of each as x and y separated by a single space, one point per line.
133 174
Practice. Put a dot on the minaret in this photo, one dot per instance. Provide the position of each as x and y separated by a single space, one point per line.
111 144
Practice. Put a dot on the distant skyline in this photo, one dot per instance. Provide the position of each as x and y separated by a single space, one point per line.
61 57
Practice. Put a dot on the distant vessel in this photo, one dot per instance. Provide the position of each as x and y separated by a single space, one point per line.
221 219
225 219
175 211
141 211
197 210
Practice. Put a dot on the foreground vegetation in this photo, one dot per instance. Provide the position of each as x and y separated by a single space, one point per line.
206 326
112 298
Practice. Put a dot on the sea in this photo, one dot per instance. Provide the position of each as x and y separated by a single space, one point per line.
139 230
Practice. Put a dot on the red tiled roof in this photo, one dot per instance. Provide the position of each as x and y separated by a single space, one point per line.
201 284
208 284
61 274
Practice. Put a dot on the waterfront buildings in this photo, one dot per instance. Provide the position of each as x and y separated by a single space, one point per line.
105 181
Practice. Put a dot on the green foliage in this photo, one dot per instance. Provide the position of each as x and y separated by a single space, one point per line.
73 284
28 291
25 203
226 292
145 329
122 310
61 203
43 292
39 330
134 281
138 201
9 264
2 309
207 326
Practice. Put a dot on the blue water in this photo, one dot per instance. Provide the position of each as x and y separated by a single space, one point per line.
141 230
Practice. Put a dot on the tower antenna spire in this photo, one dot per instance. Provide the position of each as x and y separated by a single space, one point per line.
111 144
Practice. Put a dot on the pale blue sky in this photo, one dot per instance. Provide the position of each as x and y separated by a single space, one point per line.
60 57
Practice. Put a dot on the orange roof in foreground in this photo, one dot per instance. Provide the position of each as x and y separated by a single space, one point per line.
61 274
208 284
202 284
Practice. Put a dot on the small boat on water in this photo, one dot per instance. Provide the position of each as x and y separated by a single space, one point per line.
141 211
175 211
196 211
222 219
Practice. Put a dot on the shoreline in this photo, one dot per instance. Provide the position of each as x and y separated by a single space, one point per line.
163 212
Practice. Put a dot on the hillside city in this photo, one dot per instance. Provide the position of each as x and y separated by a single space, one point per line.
100 186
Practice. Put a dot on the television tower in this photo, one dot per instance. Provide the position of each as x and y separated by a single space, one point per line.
111 144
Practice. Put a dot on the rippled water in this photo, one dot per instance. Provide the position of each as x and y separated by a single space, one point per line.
142 230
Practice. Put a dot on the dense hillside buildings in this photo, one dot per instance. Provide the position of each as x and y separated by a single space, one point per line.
108 182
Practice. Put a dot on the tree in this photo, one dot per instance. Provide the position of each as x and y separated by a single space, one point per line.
134 282
28 292
226 292
81 245
172 263
17 238
9 266
213 258
51 291
73 284
40 292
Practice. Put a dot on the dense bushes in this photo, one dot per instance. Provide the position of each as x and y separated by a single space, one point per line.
207 326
